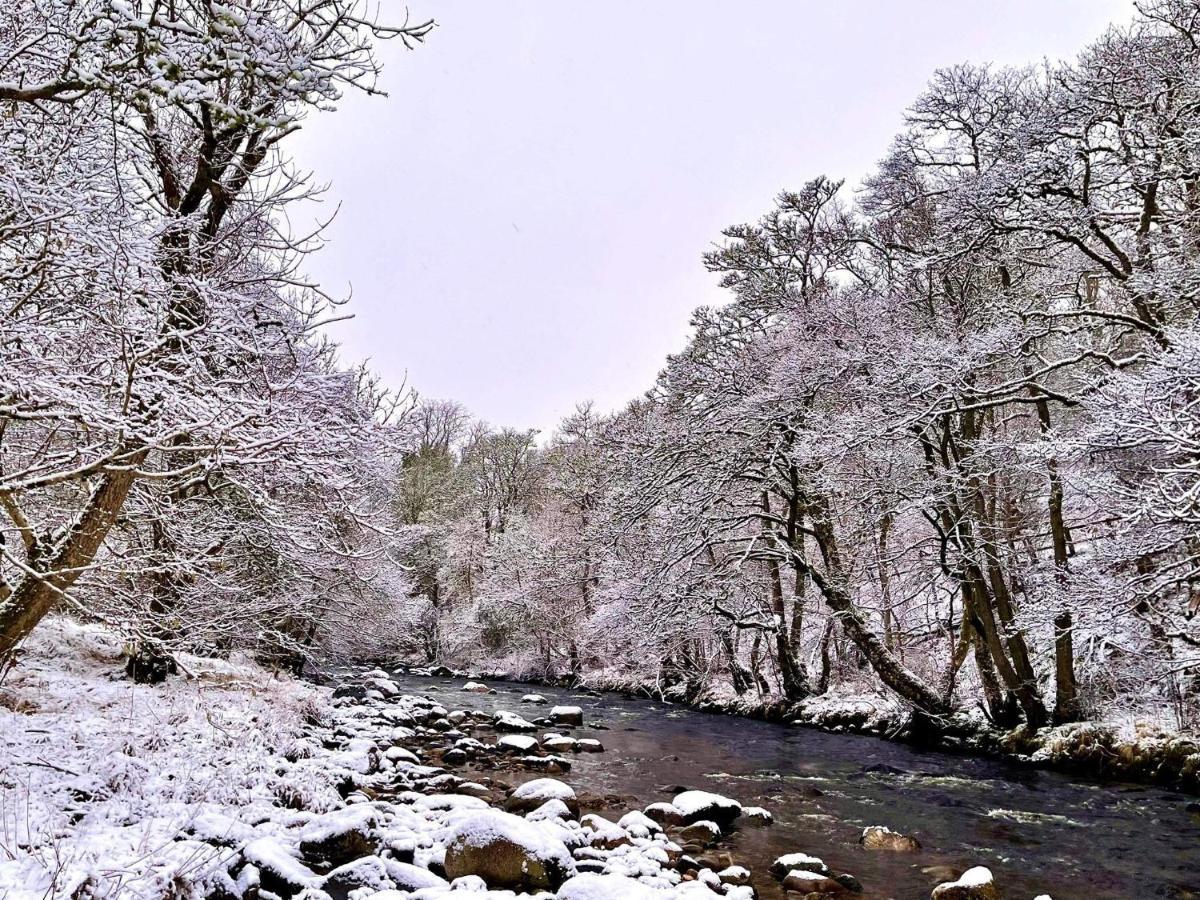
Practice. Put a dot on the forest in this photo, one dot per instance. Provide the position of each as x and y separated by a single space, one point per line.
939 447
941 440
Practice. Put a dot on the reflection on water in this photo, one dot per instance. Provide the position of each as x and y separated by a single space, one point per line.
1039 832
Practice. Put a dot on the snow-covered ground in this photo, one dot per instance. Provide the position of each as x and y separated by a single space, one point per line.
230 782
100 778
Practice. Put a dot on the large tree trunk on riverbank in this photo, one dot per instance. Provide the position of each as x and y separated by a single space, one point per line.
55 568
907 684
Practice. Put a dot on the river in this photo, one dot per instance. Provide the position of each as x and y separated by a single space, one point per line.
1039 832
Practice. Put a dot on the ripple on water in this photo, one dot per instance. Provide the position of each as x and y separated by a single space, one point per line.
1026 817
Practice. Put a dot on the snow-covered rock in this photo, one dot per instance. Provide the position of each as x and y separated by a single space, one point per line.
532 794
567 715
339 837
516 743
880 837
802 861
697 805
507 851
974 884
804 882
756 815
510 721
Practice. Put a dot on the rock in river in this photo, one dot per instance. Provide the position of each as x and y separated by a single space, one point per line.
510 721
697 805
975 884
798 861
807 883
880 837
566 715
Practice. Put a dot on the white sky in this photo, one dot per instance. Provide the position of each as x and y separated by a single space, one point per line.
521 220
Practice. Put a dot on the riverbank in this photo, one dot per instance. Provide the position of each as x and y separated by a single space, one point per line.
1132 751
232 783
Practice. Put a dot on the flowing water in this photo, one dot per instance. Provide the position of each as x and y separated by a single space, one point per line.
1039 832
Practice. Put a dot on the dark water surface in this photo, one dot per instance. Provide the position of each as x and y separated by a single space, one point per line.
1039 832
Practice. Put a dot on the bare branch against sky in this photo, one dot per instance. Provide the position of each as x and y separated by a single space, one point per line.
522 219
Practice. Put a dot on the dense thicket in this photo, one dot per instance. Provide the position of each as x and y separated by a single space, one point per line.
941 441
179 452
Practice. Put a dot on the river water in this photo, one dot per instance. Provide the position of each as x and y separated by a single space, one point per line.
1039 832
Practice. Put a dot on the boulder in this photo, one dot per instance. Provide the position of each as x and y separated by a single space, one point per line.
474 687
756 815
639 825
408 877
368 872
696 806
974 884
567 715
516 743
664 814
339 837
279 871
880 837
736 875
702 833
604 834
533 698
791 862
551 810
589 745
510 721
532 794
560 744
506 851
805 883
554 765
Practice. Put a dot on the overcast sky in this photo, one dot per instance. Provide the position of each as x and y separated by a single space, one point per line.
521 221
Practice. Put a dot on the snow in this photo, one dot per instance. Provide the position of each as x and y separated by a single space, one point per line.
225 779
790 861
606 887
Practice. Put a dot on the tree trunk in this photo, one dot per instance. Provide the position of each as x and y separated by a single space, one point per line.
890 670
790 672
58 567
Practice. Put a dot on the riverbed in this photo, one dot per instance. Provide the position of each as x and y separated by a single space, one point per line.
1039 832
